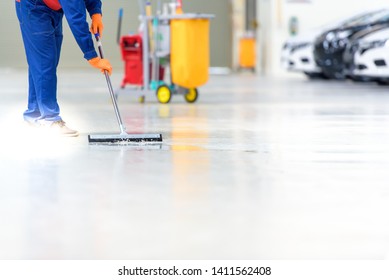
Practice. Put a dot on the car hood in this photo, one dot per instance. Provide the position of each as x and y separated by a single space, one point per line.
355 31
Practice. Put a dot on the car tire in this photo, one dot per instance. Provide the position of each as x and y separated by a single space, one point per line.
314 76
335 75
383 82
360 79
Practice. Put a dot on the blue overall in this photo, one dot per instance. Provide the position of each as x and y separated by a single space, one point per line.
41 30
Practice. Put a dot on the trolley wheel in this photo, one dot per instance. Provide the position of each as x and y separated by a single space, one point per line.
164 94
141 99
191 95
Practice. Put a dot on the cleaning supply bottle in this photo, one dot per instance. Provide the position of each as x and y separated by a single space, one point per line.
179 7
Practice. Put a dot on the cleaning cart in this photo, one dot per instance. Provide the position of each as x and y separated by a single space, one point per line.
175 42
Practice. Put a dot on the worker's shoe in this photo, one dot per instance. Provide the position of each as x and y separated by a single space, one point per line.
59 127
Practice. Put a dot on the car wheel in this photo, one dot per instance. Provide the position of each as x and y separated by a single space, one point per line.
383 82
314 76
360 78
335 75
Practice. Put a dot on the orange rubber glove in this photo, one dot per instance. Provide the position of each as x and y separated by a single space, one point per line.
97 25
102 64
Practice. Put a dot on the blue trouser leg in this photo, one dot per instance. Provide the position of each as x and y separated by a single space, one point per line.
42 36
32 113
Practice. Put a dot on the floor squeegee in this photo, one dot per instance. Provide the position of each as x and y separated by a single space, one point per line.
123 137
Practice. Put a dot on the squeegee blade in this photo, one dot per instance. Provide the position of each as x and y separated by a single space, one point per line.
124 138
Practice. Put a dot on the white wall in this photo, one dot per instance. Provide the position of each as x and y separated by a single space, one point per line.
275 15
238 26
12 51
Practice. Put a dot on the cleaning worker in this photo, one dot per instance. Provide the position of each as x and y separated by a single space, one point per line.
41 28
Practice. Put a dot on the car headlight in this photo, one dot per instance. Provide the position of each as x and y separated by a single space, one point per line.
299 46
380 43
338 35
341 35
337 39
330 36
375 44
343 43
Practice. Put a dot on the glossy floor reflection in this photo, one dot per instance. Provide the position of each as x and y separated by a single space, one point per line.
258 168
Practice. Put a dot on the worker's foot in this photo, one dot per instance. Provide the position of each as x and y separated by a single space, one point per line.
56 127
31 124
60 127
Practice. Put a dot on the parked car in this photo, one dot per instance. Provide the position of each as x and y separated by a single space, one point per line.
330 46
297 55
372 57
352 48
297 52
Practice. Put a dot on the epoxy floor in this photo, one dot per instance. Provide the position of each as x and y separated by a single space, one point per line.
258 168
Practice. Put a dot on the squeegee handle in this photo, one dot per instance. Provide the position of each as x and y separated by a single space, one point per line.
99 45
110 88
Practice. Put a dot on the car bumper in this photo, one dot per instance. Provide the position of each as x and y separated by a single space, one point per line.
372 63
300 60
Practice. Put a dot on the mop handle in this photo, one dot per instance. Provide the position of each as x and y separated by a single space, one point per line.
110 88
119 31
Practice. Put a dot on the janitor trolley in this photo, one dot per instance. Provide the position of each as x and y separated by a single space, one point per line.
169 56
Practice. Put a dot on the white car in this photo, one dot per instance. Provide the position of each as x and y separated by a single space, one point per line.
372 57
297 52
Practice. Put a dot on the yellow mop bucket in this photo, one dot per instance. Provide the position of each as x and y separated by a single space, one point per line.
190 50
247 52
